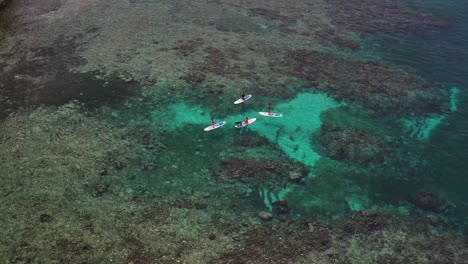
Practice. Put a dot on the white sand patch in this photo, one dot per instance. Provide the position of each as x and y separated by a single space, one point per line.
453 99
293 131
421 127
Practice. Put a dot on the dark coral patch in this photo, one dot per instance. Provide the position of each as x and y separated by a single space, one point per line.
374 85
3 3
185 48
351 145
329 36
270 14
281 244
371 16
258 169
364 222
427 201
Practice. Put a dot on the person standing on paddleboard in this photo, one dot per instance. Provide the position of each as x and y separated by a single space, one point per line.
212 121
269 108
243 96
246 121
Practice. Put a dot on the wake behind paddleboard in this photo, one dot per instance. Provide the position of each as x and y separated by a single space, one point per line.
215 126
247 97
270 114
243 124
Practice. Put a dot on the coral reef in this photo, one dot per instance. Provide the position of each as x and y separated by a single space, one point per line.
185 48
376 86
270 14
70 178
364 222
386 16
113 181
94 168
281 207
363 237
260 170
331 36
195 78
351 145
428 201
284 243
38 74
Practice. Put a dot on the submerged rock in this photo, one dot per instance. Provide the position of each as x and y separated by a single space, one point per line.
101 189
285 243
3 3
265 215
364 222
428 201
372 17
45 218
103 172
281 207
119 165
260 169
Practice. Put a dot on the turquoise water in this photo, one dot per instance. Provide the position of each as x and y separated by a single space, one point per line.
103 106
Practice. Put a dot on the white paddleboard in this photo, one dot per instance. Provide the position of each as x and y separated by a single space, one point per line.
270 114
243 124
215 126
247 97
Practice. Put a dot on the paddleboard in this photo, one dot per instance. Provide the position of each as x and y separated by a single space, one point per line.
270 114
215 126
243 124
247 97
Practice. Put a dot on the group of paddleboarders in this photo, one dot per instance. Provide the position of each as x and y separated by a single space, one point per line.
246 121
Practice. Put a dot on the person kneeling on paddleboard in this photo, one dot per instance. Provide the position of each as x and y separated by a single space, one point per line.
243 96
246 121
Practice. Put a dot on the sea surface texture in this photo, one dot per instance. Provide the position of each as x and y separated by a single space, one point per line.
104 155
